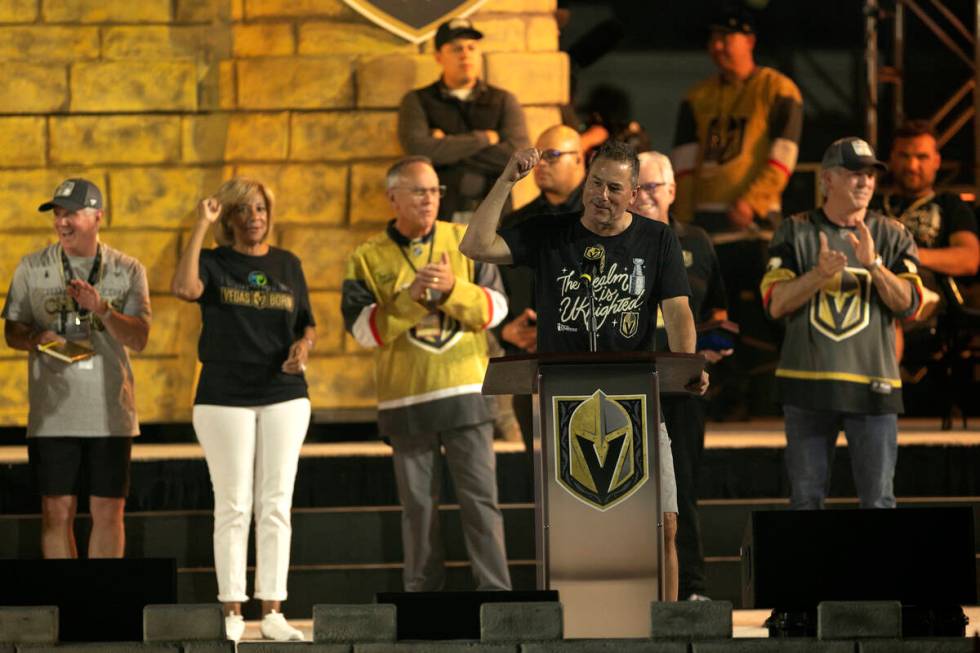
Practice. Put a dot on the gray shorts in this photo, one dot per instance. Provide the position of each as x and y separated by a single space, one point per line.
668 484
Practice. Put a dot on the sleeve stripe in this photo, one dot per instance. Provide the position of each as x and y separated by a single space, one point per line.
373 322
498 307
781 167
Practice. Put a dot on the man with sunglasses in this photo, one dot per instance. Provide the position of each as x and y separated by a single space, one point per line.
412 297
82 415
467 127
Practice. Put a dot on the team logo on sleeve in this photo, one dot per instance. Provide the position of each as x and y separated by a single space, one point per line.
774 264
842 308
601 447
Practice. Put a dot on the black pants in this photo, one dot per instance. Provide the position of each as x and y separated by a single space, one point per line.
684 417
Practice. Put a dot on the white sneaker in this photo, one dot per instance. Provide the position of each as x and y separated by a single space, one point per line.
275 627
234 627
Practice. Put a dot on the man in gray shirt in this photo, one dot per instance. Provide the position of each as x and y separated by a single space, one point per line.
82 414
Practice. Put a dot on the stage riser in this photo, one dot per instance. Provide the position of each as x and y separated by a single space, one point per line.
373 536
369 481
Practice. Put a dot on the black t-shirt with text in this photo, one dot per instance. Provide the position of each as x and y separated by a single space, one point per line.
633 271
253 309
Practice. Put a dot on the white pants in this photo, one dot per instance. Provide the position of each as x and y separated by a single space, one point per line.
251 452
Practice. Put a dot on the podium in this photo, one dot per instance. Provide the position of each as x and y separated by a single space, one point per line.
597 517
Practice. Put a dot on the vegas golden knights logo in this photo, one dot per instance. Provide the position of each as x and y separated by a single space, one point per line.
841 308
629 322
413 21
601 455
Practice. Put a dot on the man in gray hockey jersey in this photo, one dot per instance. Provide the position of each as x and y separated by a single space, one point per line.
841 275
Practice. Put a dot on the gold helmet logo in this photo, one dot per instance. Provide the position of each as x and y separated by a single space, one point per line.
601 447
841 308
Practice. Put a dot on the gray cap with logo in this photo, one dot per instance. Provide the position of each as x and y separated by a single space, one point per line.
851 153
74 194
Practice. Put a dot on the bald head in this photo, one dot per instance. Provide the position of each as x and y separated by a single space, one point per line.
562 166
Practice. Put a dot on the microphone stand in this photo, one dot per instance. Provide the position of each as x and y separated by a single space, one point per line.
591 322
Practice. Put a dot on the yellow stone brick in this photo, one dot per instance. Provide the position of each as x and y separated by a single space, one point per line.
134 86
324 251
163 42
22 141
296 8
332 135
235 137
15 246
164 389
227 93
524 191
157 250
49 43
305 193
33 88
342 381
539 119
520 6
295 83
534 77
329 322
159 197
13 389
24 190
18 11
368 202
105 11
502 34
542 34
355 38
263 39
383 81
174 328
202 11
91 140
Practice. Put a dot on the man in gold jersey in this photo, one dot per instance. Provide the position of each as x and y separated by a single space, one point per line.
735 148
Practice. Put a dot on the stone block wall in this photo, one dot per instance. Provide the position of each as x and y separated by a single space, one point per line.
158 101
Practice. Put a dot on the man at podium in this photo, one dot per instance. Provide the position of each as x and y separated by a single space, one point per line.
600 274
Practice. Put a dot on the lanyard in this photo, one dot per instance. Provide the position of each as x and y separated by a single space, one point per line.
911 207
432 247
67 274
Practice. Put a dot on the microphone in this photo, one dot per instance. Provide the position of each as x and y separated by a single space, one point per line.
590 269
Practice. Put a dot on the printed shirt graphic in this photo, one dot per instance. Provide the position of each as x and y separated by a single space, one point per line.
839 348
253 307
631 273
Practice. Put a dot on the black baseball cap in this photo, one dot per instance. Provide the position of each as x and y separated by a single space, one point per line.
74 194
455 28
851 153
734 19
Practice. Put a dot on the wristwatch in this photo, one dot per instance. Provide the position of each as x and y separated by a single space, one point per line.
874 264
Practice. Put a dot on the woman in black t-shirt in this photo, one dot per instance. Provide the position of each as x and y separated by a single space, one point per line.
252 410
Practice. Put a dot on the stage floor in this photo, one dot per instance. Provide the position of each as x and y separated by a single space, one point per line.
755 434
745 623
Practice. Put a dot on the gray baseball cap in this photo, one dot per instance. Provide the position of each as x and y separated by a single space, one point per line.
74 194
851 153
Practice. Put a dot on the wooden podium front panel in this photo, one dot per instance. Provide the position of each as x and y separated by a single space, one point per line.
604 560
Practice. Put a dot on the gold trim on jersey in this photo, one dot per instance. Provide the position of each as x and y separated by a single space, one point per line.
836 376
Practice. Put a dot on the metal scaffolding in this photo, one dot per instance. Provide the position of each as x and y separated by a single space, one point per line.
959 109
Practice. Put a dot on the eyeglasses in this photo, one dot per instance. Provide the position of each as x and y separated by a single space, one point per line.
550 156
651 187
420 193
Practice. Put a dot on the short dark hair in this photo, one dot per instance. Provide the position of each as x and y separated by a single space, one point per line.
914 128
398 167
621 153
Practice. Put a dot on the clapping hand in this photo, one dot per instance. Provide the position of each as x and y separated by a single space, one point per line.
829 261
863 244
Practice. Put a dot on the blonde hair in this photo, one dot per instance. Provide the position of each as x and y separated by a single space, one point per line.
232 194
